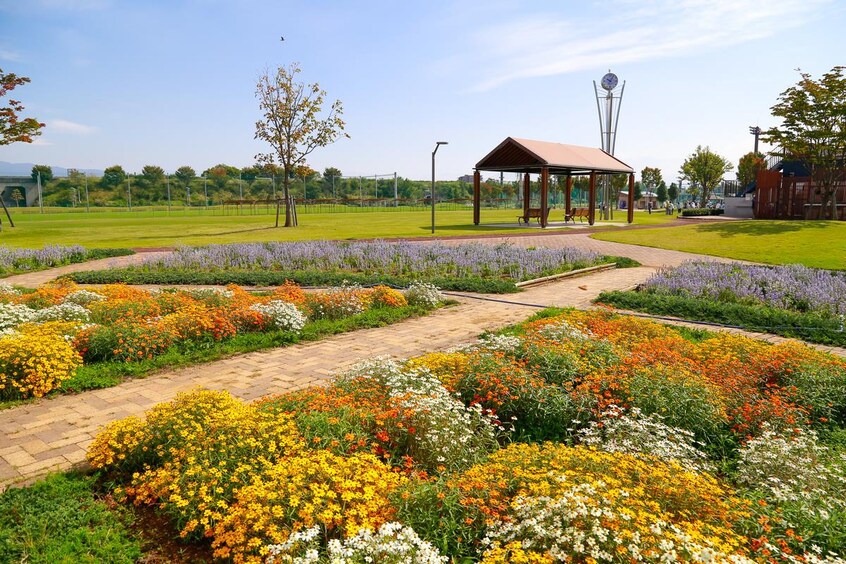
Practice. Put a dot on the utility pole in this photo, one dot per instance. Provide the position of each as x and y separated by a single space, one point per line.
756 131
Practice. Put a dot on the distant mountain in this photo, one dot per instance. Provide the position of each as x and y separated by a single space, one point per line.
25 169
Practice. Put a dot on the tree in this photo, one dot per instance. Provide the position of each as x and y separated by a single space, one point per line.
813 129
185 174
113 176
661 192
17 197
13 128
650 178
220 175
673 192
152 173
152 178
704 169
291 122
638 192
748 167
46 173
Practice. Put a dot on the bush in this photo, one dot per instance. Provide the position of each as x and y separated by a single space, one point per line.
423 294
800 485
810 327
276 278
546 484
126 341
696 212
12 315
343 495
336 303
191 455
393 543
281 315
60 519
34 362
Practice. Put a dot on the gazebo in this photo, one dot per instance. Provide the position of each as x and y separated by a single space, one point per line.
545 158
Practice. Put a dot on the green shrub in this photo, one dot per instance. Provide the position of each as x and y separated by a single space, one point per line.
60 520
697 212
807 326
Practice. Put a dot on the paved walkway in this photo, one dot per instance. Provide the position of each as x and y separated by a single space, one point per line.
52 434
35 279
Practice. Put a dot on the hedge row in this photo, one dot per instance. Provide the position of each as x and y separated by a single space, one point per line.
696 212
277 278
806 326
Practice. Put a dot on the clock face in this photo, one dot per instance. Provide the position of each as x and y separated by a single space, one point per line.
609 81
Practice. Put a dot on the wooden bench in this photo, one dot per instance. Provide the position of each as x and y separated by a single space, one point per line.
534 213
581 213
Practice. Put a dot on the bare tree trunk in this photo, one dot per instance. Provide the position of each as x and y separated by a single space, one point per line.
287 201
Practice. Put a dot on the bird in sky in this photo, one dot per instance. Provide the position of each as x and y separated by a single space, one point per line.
281 38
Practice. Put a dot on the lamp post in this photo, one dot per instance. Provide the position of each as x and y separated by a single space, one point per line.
432 194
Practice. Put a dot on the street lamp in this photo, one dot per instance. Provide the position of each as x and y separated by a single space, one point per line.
432 194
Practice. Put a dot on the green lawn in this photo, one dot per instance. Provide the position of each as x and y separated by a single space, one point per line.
198 227
820 244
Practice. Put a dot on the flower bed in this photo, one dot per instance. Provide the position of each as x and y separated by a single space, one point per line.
46 335
461 267
582 436
794 301
14 261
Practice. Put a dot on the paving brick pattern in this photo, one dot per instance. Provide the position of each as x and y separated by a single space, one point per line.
53 434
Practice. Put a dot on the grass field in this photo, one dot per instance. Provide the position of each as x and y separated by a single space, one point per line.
162 229
819 244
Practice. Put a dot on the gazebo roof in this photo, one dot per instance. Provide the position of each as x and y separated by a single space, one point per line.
527 155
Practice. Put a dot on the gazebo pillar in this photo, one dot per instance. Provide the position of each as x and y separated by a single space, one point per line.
630 203
592 198
477 196
526 198
568 190
544 203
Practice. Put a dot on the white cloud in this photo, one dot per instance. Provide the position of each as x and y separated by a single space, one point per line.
41 142
7 55
629 31
70 126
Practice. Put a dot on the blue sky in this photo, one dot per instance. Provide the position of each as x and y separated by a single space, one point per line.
172 82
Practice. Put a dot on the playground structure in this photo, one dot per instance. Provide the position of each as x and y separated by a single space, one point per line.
786 190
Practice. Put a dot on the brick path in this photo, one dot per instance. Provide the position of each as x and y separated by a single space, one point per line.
52 434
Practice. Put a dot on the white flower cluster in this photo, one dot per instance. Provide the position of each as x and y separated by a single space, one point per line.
794 468
394 543
446 433
12 315
562 331
579 524
8 289
283 315
62 312
300 548
635 433
500 343
83 297
423 294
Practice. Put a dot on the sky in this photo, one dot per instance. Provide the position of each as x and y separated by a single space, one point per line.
172 82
